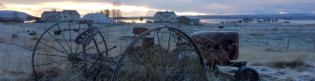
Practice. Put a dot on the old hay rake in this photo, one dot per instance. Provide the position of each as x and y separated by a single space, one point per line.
159 54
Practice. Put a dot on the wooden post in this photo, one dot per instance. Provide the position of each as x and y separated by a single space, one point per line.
107 35
288 44
17 34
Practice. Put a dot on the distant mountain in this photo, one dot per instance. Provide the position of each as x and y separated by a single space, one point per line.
275 16
278 16
9 14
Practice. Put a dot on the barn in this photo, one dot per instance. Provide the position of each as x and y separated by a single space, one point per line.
189 20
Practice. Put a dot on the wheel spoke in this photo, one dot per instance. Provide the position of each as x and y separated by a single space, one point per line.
70 39
59 65
178 62
52 47
168 47
58 42
77 47
51 63
152 63
161 53
181 76
162 61
64 37
50 55
144 65
88 48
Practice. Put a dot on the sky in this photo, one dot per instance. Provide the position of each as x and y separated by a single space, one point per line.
180 7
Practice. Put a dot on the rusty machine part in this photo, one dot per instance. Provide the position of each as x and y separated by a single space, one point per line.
219 48
60 53
163 53
162 59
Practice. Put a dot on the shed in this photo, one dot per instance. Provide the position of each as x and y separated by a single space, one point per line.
188 20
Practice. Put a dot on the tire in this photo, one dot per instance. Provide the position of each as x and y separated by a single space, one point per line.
246 73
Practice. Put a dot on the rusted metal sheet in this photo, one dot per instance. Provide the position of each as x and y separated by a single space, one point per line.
139 30
221 44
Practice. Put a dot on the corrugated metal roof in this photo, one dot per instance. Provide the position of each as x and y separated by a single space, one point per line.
71 12
166 13
52 13
94 14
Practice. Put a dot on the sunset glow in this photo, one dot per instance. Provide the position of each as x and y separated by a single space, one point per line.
190 13
283 12
84 8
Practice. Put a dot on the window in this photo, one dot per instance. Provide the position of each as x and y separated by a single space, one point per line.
63 12
49 16
65 16
78 17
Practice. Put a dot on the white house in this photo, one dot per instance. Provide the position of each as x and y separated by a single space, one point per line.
57 16
165 17
97 18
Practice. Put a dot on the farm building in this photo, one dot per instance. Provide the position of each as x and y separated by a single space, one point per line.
189 20
97 18
57 16
165 17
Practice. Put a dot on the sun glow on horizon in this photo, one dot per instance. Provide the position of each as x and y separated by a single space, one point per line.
283 12
190 13
84 8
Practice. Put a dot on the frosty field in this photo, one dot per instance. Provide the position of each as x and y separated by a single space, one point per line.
279 51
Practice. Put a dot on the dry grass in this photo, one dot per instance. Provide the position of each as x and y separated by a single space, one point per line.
3 40
256 34
35 38
269 55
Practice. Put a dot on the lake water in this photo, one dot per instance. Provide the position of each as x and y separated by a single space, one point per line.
224 20
210 21
255 21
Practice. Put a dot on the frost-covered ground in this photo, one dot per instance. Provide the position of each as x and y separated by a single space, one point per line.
279 51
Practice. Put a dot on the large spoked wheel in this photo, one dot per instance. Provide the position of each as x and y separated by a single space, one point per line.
163 53
56 53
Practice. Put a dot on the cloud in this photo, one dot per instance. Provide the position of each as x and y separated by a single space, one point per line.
1 4
279 6
313 12
183 7
218 6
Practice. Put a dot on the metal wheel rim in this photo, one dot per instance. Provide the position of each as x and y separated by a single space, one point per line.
45 32
119 64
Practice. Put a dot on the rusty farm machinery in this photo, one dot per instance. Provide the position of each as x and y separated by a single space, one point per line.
162 53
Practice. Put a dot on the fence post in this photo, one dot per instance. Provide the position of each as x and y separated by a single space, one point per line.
288 44
17 35
107 35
